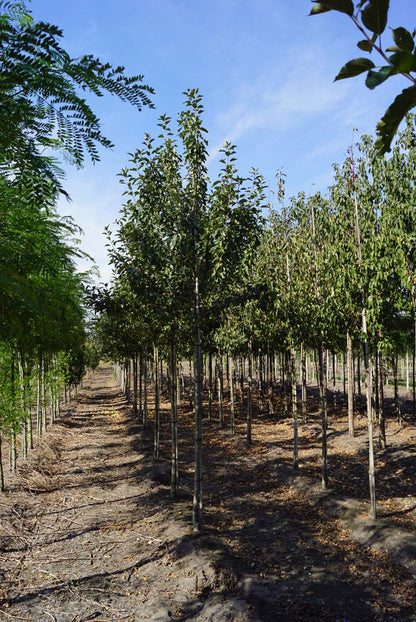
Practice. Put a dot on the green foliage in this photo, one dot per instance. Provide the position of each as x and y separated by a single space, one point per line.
73 366
41 106
354 68
374 78
383 269
41 296
403 39
174 228
308 275
344 6
374 15
371 16
394 115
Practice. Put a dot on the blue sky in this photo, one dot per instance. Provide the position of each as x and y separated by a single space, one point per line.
264 68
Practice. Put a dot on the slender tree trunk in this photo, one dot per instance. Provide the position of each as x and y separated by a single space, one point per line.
135 383
397 407
261 379
294 408
44 419
327 366
323 391
249 394
178 383
123 378
376 386
210 396
344 379
334 377
368 374
285 383
270 385
174 474
29 429
317 373
191 385
307 367
414 361
256 373
27 404
360 393
12 451
197 508
145 401
266 358
369 393
23 408
241 379
23 433
232 407
274 369
350 370
140 381
220 384
314 368
407 370
1 468
57 406
51 405
156 442
381 420
128 380
39 397
304 386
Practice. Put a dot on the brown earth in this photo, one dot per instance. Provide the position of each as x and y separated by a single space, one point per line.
88 532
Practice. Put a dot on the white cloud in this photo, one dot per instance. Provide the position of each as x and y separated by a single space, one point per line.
282 98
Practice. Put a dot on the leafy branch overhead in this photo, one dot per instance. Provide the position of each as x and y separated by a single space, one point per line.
42 101
370 17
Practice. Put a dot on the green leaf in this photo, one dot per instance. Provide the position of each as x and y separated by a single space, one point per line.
374 15
365 45
403 39
402 61
374 78
319 7
387 126
354 68
344 6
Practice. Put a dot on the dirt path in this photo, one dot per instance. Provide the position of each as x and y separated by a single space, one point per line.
74 544
88 533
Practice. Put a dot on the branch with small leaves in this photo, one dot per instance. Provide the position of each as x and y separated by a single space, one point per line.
370 17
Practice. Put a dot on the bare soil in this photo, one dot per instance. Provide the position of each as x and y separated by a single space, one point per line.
88 531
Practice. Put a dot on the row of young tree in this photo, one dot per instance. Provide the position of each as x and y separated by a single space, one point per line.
231 268
200 267
42 331
43 113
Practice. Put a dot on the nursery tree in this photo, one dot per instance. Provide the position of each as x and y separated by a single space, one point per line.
149 251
